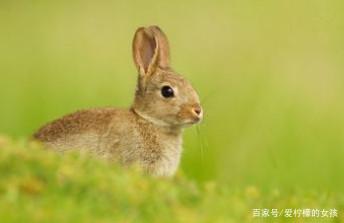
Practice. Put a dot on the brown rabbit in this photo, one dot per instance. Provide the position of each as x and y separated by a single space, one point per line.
150 132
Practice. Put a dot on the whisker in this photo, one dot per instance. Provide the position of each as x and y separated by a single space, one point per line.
200 142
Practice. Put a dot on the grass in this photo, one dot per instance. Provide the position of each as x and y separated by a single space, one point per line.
37 185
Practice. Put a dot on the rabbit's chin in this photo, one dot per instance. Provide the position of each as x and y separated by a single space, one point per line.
191 122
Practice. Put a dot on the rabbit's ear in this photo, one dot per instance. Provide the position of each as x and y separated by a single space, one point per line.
163 59
150 50
144 50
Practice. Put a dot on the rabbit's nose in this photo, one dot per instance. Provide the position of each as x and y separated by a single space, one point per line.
197 110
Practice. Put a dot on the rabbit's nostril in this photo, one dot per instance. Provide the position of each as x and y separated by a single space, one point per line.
198 111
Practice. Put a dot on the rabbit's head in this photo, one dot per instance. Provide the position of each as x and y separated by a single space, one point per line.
162 96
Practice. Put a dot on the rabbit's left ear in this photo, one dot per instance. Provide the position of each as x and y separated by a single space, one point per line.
150 50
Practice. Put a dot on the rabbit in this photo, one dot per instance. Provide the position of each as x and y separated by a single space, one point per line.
149 133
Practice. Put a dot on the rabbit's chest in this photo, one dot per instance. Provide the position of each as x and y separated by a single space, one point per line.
161 157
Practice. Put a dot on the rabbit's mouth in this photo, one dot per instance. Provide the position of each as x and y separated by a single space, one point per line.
193 121
190 115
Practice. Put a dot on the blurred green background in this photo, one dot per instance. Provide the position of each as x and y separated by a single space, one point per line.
269 73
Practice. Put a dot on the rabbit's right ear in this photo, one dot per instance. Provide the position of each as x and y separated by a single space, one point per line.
145 51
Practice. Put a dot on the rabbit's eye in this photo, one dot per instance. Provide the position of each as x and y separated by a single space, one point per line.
167 91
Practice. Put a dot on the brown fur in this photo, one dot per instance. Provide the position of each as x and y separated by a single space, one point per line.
150 133
76 123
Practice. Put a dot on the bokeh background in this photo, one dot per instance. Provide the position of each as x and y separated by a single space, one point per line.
270 75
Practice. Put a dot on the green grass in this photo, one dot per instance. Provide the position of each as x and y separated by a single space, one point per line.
37 185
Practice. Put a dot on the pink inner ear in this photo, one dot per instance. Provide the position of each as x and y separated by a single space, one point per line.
147 52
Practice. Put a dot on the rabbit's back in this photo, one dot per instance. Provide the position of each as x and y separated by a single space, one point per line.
82 129
76 123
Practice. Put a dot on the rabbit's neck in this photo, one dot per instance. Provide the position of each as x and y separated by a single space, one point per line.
161 147
158 124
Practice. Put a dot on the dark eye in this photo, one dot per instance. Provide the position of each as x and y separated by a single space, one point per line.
167 91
